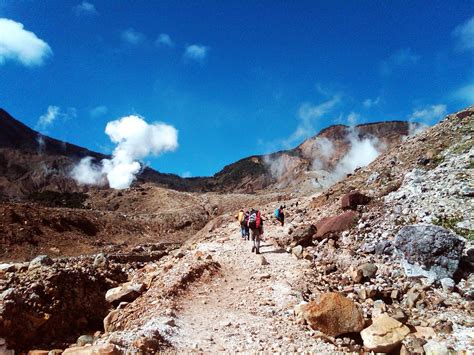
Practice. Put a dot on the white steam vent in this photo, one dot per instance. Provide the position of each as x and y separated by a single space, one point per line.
136 139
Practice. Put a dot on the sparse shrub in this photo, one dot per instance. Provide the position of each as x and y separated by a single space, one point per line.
451 223
59 199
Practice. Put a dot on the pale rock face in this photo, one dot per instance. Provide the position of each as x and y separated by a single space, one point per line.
384 334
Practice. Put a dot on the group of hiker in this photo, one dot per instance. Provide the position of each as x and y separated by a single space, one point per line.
251 225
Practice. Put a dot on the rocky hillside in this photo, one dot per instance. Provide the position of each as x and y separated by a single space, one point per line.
31 162
381 262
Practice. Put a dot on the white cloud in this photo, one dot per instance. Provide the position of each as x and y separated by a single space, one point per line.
164 40
402 57
52 114
429 113
135 139
196 52
132 37
465 94
85 9
99 111
48 118
307 114
464 35
21 45
368 103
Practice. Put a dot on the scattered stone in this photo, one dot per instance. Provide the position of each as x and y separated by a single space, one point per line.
109 320
433 347
297 251
447 284
368 270
84 339
384 334
126 292
429 251
40 260
100 261
333 315
399 315
424 332
351 200
413 295
263 261
102 349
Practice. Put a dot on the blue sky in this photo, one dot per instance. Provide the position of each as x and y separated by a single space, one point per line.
234 78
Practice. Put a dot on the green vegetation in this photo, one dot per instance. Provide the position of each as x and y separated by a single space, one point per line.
451 222
59 199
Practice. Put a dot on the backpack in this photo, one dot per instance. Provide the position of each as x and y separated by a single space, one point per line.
254 220
277 213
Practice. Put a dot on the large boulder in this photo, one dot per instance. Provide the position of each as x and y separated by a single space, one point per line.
336 224
333 315
351 200
384 334
429 251
301 235
126 292
101 349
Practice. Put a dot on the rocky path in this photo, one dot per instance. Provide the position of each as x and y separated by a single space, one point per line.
249 306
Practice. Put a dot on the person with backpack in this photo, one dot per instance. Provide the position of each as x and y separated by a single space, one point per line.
241 219
255 224
246 225
279 215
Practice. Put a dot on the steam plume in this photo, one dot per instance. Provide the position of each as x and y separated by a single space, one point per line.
135 139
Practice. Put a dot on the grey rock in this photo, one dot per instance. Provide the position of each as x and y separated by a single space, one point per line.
368 270
7 267
447 284
85 339
100 261
429 251
384 247
297 251
433 347
40 260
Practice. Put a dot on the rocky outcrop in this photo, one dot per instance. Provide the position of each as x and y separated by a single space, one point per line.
333 315
384 334
429 251
337 224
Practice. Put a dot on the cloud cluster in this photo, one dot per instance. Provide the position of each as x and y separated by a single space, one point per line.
98 111
368 103
135 139
47 119
196 52
464 35
429 114
164 40
132 37
307 114
85 9
21 45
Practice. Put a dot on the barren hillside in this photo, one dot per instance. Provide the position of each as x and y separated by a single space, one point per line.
381 261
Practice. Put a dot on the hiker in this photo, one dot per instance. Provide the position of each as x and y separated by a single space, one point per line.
246 225
279 215
255 224
241 219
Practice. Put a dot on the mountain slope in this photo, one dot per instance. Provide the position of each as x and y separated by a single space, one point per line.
32 162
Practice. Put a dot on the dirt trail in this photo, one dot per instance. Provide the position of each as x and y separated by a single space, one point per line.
249 306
